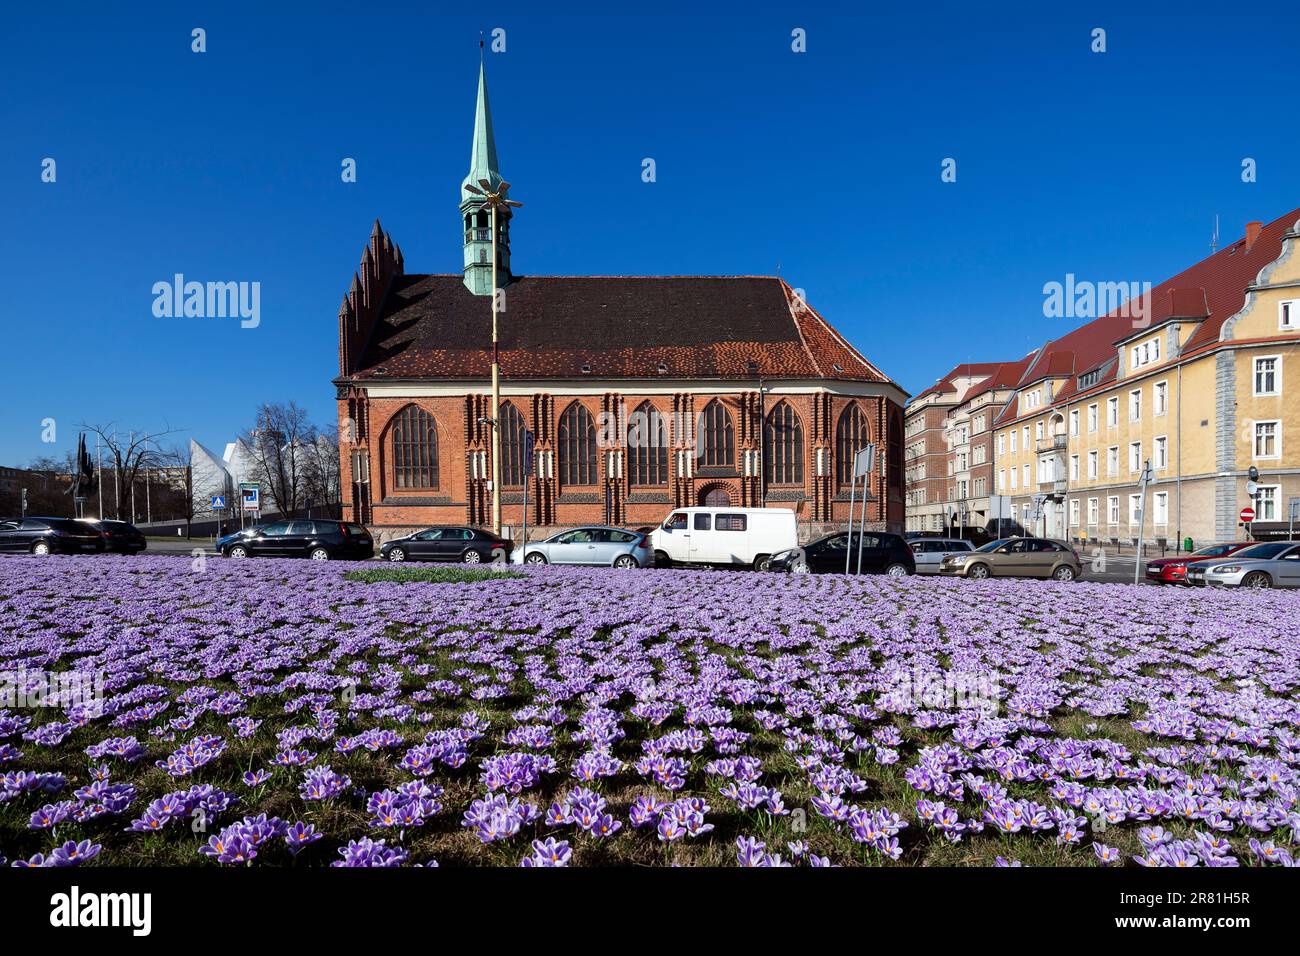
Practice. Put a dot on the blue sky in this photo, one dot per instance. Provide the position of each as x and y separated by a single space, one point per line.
225 166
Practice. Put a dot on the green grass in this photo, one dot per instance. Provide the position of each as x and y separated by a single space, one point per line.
453 575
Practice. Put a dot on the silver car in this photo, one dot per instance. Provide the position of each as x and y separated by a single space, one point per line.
1270 564
609 547
930 551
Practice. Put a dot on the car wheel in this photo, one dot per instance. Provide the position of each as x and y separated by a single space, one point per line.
978 571
662 560
1064 573
41 547
396 554
625 561
763 562
536 557
319 554
472 557
238 551
1257 579
897 571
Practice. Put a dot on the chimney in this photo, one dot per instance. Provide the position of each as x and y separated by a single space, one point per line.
1252 233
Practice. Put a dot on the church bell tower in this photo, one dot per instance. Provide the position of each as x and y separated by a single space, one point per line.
476 217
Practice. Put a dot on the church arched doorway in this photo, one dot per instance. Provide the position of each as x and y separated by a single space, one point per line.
715 497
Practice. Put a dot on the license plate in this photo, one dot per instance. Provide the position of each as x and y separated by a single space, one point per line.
1153 569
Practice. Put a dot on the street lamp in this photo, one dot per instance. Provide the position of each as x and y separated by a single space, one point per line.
493 199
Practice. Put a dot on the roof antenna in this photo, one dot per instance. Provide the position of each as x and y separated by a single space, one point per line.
1214 241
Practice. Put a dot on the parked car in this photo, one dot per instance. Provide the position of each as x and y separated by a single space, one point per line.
882 553
456 543
49 536
1016 558
976 536
1269 564
930 551
1174 570
316 539
612 547
727 536
120 536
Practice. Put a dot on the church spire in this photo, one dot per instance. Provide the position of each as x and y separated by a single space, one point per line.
475 216
483 153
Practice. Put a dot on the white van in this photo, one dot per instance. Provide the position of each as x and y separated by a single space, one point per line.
741 536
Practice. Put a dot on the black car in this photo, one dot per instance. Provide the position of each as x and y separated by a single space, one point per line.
49 535
453 543
882 553
120 536
316 539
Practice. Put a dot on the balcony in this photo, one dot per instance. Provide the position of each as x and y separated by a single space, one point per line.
1053 443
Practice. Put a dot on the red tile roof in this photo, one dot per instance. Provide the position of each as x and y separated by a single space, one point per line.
1211 291
431 326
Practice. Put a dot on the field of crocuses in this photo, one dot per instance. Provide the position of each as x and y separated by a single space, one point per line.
275 713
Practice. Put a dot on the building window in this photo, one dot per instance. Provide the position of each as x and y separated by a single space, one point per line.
1288 315
1134 508
1268 443
1135 405
1112 509
1074 467
1013 441
1135 456
577 447
1112 412
1024 475
512 446
647 447
1074 511
1014 482
1038 431
1146 353
783 446
415 449
1002 444
850 438
1267 503
1160 508
1094 513
1160 398
1162 452
719 436
1092 465
1002 480
1112 460
1092 417
1266 375
1074 421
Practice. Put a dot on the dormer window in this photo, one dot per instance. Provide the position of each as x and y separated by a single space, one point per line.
1145 354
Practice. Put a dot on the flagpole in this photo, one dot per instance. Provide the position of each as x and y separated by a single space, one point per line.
99 473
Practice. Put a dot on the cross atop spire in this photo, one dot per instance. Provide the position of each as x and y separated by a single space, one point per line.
483 155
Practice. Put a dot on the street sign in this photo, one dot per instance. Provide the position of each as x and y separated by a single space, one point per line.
864 461
218 501
528 453
1247 514
251 498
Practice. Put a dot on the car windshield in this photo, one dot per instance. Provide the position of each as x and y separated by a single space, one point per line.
1270 549
994 545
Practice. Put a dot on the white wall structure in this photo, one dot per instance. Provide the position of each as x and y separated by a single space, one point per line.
211 476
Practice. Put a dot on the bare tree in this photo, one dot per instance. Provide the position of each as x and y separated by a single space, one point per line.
139 449
278 442
322 480
180 458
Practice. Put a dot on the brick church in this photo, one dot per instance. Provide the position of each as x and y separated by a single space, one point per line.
643 393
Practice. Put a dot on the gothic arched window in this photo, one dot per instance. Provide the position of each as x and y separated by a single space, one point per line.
850 438
415 449
647 447
719 436
783 446
577 447
512 446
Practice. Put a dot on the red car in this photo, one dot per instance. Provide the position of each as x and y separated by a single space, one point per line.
1174 570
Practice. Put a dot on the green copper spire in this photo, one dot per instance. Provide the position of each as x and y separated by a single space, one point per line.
475 215
483 155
